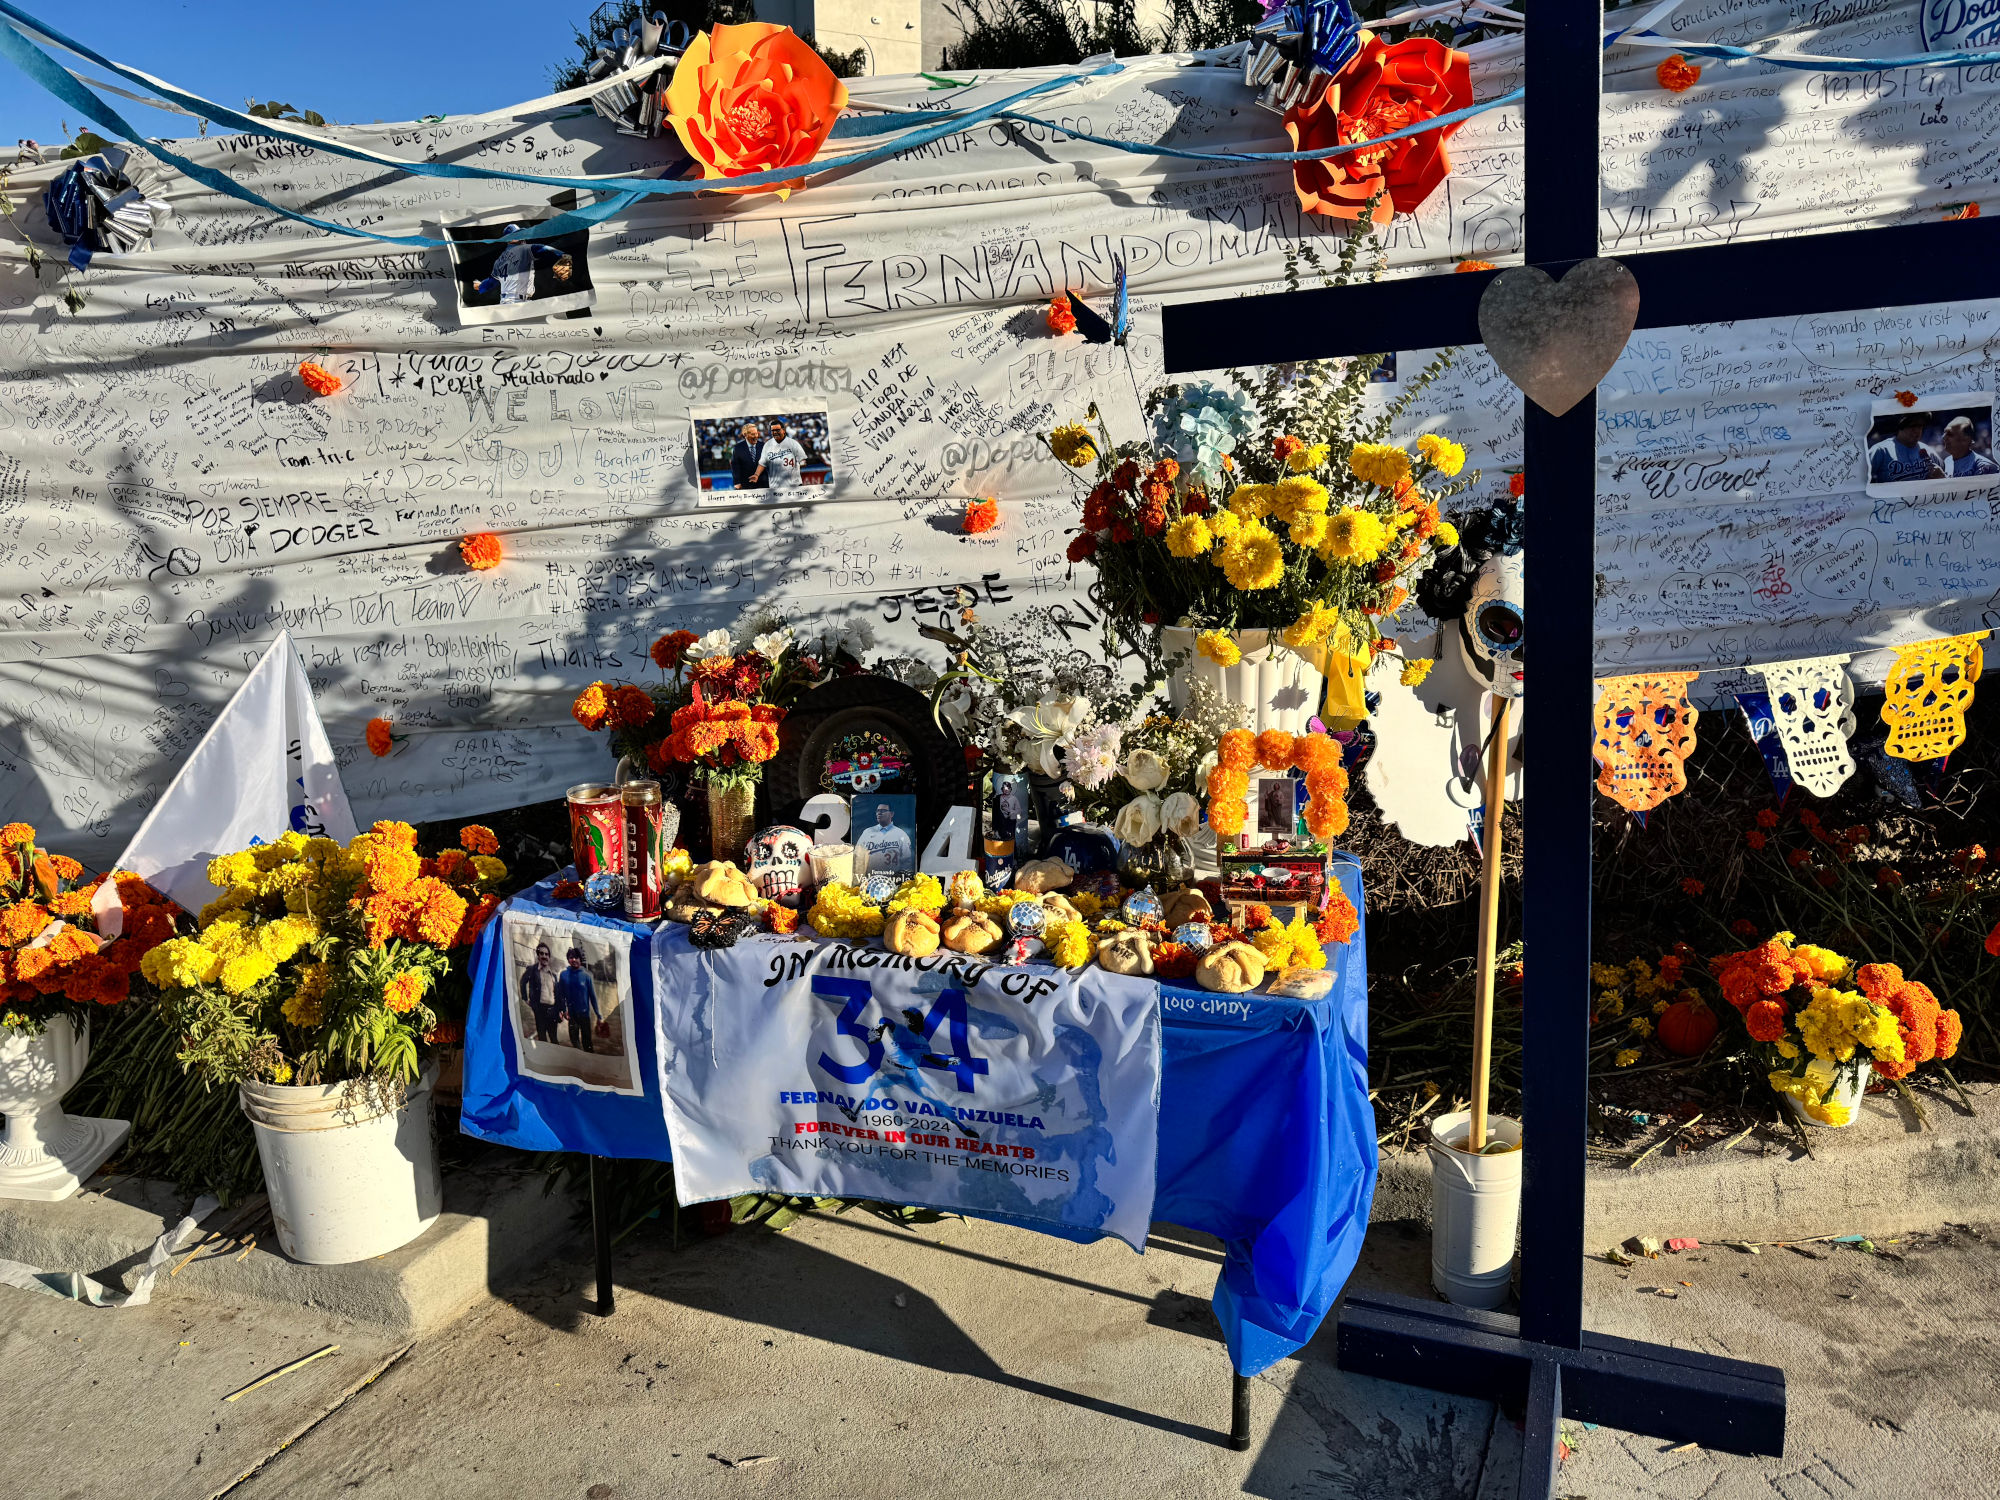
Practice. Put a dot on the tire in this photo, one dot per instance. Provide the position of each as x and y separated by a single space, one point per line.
848 705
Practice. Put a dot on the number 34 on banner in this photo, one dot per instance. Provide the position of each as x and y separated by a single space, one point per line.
950 848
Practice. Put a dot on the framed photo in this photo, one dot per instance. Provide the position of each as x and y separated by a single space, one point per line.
1940 445
569 999
1274 810
775 455
883 826
1007 814
504 281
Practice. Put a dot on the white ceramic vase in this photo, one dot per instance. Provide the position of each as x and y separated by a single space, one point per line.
351 1174
1282 689
45 1154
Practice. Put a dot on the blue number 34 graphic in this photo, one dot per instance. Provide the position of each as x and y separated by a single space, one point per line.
853 996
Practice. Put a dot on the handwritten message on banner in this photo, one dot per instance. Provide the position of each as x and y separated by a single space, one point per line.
171 497
841 1071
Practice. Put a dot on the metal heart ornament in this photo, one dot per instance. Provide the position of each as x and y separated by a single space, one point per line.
1557 339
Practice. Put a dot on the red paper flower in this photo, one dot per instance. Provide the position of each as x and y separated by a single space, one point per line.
981 515
1385 88
481 551
380 740
1517 485
1677 75
752 98
319 379
1061 316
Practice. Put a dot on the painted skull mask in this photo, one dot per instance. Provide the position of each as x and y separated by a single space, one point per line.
1490 632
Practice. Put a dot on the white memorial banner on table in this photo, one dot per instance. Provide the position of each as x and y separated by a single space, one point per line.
833 1070
264 769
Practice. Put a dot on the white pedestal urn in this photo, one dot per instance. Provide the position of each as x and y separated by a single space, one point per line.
1282 689
46 1154
351 1170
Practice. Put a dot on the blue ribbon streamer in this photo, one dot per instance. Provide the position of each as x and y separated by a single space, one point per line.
1819 64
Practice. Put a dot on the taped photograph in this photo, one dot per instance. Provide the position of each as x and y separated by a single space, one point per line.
1935 445
775 456
502 281
569 992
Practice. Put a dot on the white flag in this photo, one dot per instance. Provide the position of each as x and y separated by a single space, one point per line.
264 768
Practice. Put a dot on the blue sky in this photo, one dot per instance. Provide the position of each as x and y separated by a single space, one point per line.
355 60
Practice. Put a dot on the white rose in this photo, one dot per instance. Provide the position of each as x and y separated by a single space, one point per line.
1138 821
715 643
1181 813
1145 770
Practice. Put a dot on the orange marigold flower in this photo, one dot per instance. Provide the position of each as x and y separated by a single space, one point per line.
480 551
402 993
71 904
1286 446
1692 887
1756 838
395 832
567 890
1238 751
66 867
631 708
592 706
1274 750
1475 265
1767 818
477 838
22 921
476 917
1174 960
670 650
781 919
1743 927
1677 75
16 834
1765 1020
455 866
1797 858
319 379
1889 878
1517 485
1061 316
981 515
381 739
1906 398
1340 921
1326 817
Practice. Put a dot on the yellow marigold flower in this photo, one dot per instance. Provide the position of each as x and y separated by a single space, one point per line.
1626 1056
1087 906
306 1006
1441 454
1224 525
1219 647
245 972
1310 529
1414 672
180 963
923 892
1830 1113
1307 459
227 870
1301 495
234 899
1606 976
1189 537
1356 536
1070 944
402 993
1824 964
1379 463
1072 443
1446 534
489 868
1255 561
1249 502
1314 625
1641 1026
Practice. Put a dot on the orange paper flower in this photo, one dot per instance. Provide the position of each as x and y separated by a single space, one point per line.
1062 318
1386 87
981 515
752 98
1475 265
380 740
319 379
481 550
1677 75
1906 398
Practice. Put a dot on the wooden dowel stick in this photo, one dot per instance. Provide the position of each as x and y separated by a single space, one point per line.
1489 924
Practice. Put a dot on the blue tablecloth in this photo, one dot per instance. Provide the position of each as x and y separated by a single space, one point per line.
1267 1139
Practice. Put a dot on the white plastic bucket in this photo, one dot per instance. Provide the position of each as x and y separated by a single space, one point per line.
1475 1211
350 1173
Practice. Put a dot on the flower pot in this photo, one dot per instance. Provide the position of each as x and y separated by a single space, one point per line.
46 1154
351 1171
1280 688
732 816
1475 1211
1843 1100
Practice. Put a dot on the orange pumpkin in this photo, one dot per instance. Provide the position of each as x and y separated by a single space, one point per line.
1686 1027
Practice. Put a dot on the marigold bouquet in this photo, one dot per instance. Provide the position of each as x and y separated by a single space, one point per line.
52 956
1815 1036
1281 509
715 714
320 963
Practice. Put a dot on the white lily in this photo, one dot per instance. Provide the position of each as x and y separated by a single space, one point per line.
1048 727
773 643
715 643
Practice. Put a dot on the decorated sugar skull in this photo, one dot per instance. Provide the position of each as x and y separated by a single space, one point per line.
1645 733
1477 592
778 860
